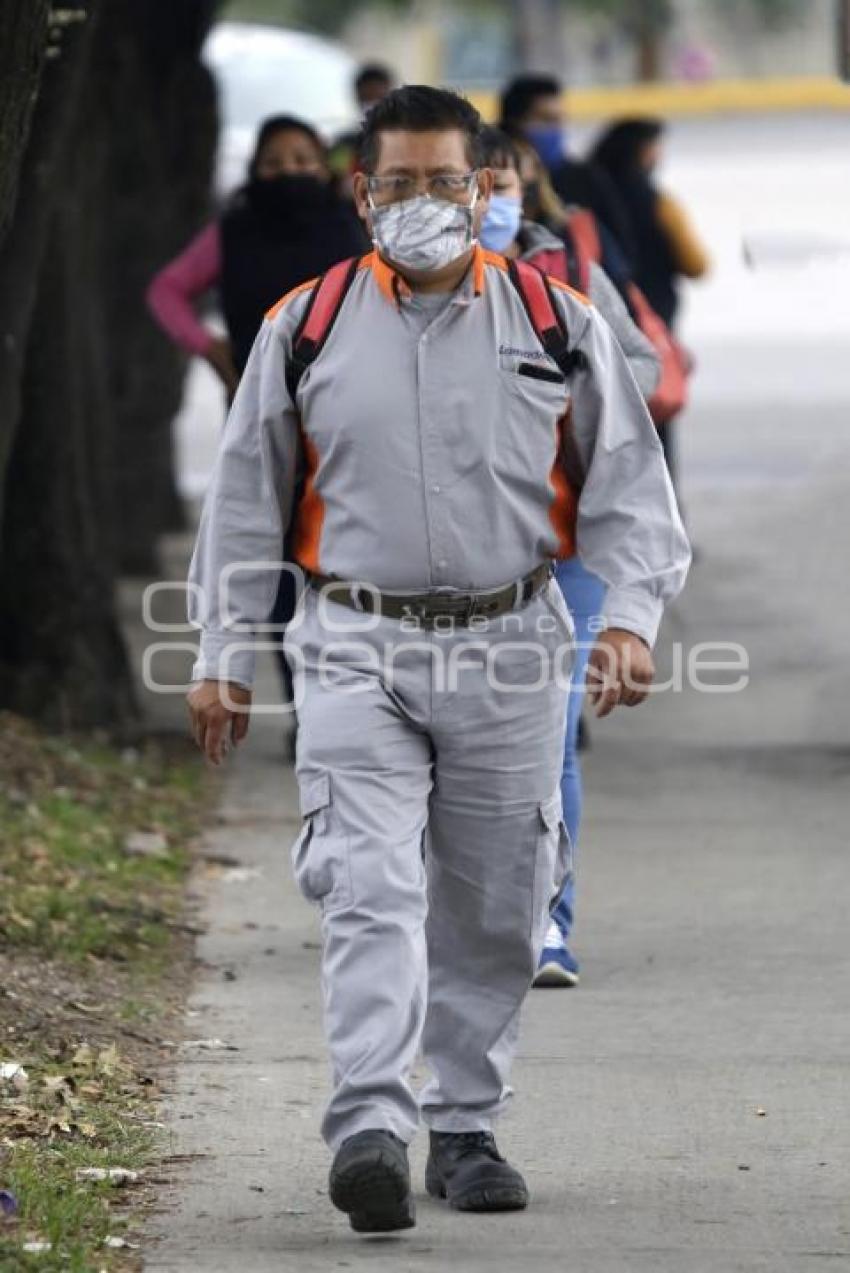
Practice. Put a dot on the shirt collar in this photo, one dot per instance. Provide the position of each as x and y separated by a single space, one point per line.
395 289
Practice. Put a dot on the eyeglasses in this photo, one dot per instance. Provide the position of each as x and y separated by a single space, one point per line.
451 186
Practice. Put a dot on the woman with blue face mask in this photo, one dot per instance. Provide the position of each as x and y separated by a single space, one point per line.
504 230
532 111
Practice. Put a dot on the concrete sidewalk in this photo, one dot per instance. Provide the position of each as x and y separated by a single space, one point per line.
687 1108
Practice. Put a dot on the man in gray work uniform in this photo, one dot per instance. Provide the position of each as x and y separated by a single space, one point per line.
429 464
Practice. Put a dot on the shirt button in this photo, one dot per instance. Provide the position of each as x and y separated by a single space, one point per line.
436 489
442 563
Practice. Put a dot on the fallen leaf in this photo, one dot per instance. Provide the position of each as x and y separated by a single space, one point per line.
114 1175
240 875
210 1045
109 1062
146 844
12 1070
83 1057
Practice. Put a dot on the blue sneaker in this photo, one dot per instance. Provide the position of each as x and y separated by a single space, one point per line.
557 967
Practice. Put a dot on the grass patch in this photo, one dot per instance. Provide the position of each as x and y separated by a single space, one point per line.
95 843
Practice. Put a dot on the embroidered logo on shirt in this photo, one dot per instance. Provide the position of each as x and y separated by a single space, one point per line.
510 352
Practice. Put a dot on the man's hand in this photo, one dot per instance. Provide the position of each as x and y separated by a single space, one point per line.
620 670
219 355
219 711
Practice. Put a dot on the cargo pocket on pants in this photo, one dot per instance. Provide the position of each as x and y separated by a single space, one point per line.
553 862
320 856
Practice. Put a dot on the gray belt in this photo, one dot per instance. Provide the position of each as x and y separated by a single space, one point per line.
432 608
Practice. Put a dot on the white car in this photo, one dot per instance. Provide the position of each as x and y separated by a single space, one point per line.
262 71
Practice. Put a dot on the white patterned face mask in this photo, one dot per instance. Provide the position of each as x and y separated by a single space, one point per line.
423 233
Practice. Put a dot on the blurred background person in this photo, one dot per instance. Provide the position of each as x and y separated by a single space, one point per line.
532 108
286 225
371 83
506 230
665 245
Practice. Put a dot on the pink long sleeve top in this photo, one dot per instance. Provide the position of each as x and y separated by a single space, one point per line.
171 294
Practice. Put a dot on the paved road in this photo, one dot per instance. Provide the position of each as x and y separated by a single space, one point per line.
713 930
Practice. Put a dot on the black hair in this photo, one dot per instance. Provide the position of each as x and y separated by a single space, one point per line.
521 93
419 108
619 148
373 73
283 124
498 150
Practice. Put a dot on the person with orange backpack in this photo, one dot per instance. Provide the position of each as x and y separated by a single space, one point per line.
440 423
567 258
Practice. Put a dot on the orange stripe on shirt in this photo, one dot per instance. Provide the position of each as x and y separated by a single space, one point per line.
295 291
565 287
310 515
564 507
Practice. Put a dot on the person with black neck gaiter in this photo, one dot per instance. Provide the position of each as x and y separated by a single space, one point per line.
286 225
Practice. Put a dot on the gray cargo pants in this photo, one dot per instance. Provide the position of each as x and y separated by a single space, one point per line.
428 769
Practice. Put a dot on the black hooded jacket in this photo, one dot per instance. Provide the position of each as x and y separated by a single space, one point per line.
275 235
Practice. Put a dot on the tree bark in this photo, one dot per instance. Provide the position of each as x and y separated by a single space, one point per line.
161 159
22 54
113 179
38 190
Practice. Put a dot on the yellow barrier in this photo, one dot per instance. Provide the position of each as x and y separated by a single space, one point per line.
729 97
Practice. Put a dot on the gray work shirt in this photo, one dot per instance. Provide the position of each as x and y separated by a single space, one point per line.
429 460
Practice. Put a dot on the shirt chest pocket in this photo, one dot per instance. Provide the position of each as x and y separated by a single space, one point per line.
534 396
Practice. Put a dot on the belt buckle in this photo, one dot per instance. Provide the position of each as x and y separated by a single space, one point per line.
445 604
460 609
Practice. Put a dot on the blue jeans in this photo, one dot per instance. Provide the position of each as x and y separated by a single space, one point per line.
584 594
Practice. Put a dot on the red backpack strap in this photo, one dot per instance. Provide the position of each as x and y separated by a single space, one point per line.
585 233
322 310
536 296
577 261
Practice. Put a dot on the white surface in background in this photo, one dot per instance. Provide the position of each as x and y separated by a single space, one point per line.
262 71
197 428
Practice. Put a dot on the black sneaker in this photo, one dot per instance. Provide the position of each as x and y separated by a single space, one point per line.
468 1170
370 1180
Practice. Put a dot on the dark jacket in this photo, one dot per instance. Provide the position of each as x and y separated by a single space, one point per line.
274 236
577 181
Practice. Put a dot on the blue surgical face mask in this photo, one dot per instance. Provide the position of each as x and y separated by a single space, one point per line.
501 222
548 140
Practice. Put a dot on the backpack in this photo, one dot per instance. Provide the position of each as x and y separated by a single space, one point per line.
582 246
329 293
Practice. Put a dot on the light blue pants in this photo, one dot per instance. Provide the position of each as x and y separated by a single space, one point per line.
584 594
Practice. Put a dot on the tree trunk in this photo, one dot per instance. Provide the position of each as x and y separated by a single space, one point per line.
113 179
25 30
38 190
62 656
161 159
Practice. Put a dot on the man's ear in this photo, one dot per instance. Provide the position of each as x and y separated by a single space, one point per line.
485 189
361 196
